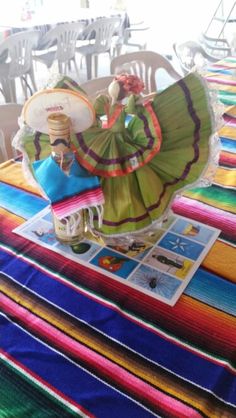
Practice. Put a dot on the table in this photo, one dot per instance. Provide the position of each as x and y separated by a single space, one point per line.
48 19
75 343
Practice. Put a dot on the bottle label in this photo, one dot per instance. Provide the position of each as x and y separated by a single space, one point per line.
70 230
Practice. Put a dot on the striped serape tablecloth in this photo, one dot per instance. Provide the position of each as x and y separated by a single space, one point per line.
75 343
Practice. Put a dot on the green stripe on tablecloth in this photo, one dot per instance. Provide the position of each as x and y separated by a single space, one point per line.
15 401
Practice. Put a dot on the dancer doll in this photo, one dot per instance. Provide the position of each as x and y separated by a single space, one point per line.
147 150
162 149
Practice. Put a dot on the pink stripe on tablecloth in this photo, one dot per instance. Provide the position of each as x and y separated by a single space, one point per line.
229 120
204 213
221 81
99 364
225 66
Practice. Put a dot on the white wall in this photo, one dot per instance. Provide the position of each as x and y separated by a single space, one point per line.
173 20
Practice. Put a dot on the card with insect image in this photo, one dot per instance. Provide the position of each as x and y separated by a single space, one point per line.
155 281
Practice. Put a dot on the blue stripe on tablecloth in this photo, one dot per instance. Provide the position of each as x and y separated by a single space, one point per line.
228 144
20 202
67 376
171 356
221 71
213 290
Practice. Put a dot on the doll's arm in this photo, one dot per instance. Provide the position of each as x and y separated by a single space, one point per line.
101 105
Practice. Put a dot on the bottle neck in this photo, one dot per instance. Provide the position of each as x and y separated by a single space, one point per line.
59 133
64 160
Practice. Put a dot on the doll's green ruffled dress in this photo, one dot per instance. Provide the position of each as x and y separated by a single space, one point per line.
146 154
164 148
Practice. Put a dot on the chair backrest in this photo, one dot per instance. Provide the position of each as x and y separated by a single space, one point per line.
145 65
102 31
65 36
219 48
97 86
191 54
19 47
9 114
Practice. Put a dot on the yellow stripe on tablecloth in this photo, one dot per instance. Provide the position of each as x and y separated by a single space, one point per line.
228 132
219 76
214 80
231 110
229 62
13 175
209 201
12 219
158 379
225 177
220 259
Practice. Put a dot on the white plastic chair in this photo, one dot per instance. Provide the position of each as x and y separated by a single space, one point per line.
134 36
192 55
9 114
64 38
97 86
99 36
144 64
18 64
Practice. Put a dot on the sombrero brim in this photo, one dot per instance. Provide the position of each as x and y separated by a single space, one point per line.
71 103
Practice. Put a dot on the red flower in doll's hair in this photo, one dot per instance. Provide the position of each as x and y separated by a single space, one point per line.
130 83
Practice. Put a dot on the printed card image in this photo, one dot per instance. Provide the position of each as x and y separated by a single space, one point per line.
48 217
114 263
41 231
91 236
193 230
84 250
169 262
168 222
133 248
151 236
181 245
155 281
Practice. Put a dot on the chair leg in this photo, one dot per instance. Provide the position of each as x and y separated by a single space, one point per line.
6 90
24 83
76 67
89 66
95 65
60 69
32 78
12 89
